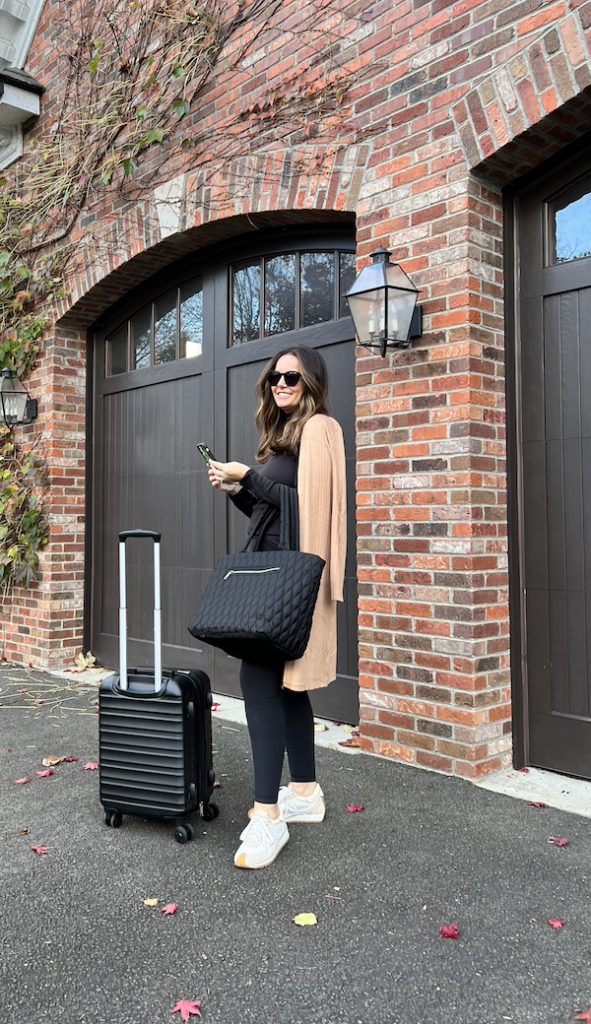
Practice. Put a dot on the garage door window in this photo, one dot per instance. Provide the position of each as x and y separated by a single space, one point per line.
170 328
276 294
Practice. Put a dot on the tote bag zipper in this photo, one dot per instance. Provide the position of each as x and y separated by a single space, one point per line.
251 572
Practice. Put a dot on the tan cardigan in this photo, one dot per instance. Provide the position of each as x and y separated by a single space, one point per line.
322 502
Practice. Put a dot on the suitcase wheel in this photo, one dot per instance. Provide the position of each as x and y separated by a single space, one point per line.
210 811
113 818
184 833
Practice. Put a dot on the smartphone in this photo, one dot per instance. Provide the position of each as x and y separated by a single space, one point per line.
206 452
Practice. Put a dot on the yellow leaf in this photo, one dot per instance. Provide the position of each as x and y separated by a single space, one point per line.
150 903
303 919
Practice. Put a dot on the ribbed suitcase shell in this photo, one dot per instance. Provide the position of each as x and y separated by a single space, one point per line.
155 751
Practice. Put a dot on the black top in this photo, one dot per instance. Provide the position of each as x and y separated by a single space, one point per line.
259 490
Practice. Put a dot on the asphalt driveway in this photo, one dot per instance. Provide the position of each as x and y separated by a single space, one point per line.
79 944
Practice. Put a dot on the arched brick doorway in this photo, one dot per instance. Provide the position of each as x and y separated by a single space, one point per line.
174 365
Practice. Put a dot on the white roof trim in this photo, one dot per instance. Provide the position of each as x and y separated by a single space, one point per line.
23 18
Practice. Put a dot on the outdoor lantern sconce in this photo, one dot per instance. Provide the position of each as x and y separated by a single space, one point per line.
383 304
17 406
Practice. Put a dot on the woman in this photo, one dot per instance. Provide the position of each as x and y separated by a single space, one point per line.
300 446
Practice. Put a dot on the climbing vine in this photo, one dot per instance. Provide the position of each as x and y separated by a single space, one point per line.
130 112
23 528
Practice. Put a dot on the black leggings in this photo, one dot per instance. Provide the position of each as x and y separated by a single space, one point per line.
278 719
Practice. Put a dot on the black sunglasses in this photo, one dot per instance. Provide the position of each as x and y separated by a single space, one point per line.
291 378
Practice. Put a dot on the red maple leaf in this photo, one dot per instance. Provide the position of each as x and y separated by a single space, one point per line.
449 931
355 807
187 1006
584 1015
43 775
215 705
536 803
524 770
91 766
555 923
68 759
23 691
9 750
41 849
558 842
37 702
217 785
20 782
170 908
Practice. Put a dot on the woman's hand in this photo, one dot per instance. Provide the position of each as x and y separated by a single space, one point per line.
224 476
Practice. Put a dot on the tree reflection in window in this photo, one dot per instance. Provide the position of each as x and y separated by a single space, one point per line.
165 327
570 224
280 291
191 332
141 326
317 287
246 301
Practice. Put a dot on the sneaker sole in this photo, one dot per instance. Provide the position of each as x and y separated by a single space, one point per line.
240 861
305 817
299 817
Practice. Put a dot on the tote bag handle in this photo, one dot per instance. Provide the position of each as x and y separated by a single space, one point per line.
289 535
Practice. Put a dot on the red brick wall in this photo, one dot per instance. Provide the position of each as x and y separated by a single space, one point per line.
450 101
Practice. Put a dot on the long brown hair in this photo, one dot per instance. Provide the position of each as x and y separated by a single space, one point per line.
281 431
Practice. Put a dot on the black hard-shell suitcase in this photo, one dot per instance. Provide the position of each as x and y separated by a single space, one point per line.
155 757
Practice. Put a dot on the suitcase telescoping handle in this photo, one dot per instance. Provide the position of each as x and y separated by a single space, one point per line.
123 681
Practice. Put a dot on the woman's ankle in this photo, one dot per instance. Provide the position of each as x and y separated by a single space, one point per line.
271 809
303 789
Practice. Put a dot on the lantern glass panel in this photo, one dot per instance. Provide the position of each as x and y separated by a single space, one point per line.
400 309
367 310
14 400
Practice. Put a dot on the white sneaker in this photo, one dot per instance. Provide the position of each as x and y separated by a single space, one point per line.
262 841
301 808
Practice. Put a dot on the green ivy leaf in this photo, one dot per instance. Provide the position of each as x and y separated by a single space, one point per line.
129 167
180 107
177 71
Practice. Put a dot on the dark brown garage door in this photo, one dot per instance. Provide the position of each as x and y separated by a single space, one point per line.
181 368
554 247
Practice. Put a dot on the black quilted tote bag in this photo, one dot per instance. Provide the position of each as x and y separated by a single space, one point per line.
258 605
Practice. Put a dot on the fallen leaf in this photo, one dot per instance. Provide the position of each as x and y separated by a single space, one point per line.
170 908
21 782
584 1015
449 931
335 723
355 807
41 849
555 923
558 842
23 691
187 1006
524 770
217 785
351 742
215 705
23 832
45 774
348 728
91 766
9 750
536 803
37 702
150 903
320 727
49 762
304 919
68 760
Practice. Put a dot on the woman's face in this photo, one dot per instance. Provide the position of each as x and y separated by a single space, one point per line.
287 398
